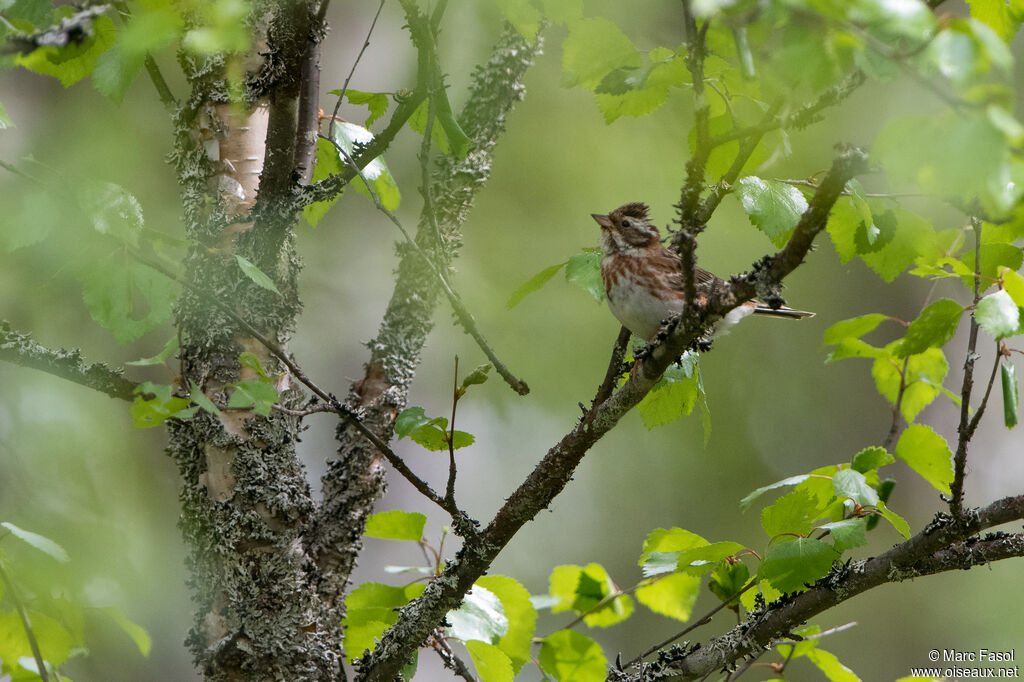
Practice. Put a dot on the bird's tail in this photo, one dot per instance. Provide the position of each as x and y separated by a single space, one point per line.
791 313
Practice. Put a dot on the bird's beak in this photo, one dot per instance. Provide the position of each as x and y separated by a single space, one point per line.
602 220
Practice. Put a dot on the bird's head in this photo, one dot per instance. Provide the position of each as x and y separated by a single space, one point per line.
628 229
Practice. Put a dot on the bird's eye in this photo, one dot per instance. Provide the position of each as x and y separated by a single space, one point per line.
625 222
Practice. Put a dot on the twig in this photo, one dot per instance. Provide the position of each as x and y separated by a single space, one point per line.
26 624
449 494
897 416
23 350
871 195
825 633
167 98
313 409
696 624
802 117
461 312
690 225
344 87
614 371
450 660
964 429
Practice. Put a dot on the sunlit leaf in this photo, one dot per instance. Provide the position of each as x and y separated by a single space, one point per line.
480 617
396 525
998 315
569 656
928 454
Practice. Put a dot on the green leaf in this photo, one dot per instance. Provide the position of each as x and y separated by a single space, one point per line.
480 617
595 47
913 238
773 207
789 565
848 533
897 521
674 396
53 638
199 398
850 484
584 271
792 480
492 664
376 102
1008 375
222 27
933 328
700 560
638 92
994 257
871 458
370 609
996 14
925 374
533 284
150 412
113 211
348 136
522 617
669 540
801 648
396 525
160 358
523 15
130 628
327 164
580 589
249 359
43 544
445 133
927 453
476 377
765 589
830 665
671 595
112 292
409 420
146 32
569 656
728 579
998 315
1013 284
260 395
256 275
74 62
794 512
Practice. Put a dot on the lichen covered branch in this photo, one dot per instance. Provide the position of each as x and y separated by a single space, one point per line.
22 349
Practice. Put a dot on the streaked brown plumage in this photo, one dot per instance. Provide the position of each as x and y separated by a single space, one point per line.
642 278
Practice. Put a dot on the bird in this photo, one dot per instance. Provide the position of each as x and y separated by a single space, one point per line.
643 281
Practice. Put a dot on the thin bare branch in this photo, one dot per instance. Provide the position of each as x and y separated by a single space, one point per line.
344 87
964 430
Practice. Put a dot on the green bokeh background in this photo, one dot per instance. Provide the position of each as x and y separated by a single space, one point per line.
73 468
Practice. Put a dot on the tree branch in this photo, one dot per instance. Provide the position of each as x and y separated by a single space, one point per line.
22 349
942 546
355 478
555 470
965 430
